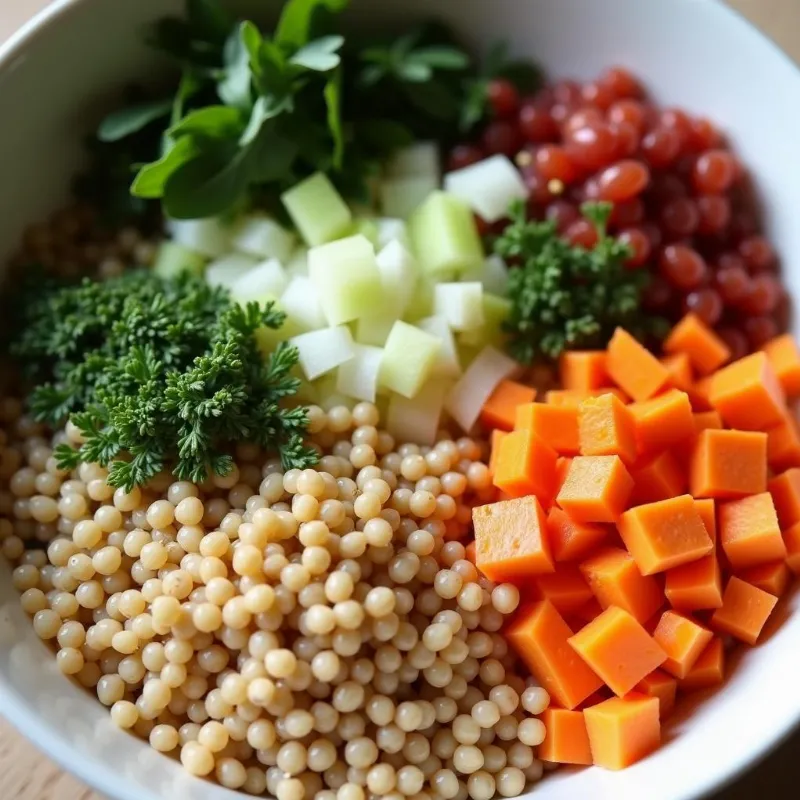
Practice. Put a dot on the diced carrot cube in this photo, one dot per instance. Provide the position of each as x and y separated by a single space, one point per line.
562 469
526 465
556 425
663 421
633 367
596 489
510 539
708 670
748 395
699 394
565 738
728 464
792 539
783 444
573 398
658 479
623 730
583 370
749 531
744 612
683 640
772 578
784 356
606 428
565 588
499 410
662 686
695 586
571 540
705 349
679 367
703 421
707 510
665 534
495 441
615 580
618 649
540 637
785 491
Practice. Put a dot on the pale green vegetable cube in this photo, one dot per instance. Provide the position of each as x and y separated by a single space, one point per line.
324 350
461 304
173 258
401 196
408 359
374 330
417 420
358 378
420 158
260 235
347 279
367 227
317 209
495 313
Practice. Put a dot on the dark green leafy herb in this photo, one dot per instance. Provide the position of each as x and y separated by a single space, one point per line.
566 297
158 374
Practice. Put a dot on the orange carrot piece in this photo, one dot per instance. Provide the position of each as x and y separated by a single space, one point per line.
566 589
583 370
596 489
615 580
791 537
748 395
662 686
784 356
500 409
783 444
708 670
526 465
745 609
749 531
606 428
664 534
699 394
663 421
573 398
705 349
785 491
496 439
571 540
703 421
510 539
707 510
588 612
679 367
623 730
695 586
728 464
658 479
634 368
556 425
565 738
618 649
539 635
772 578
683 640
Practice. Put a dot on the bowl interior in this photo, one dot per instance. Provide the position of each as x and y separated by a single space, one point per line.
697 55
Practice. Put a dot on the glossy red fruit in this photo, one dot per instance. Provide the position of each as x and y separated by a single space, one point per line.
563 213
625 214
623 180
706 304
503 97
660 147
638 242
682 266
733 283
553 163
658 295
679 218
591 146
598 94
757 253
621 83
713 172
631 112
763 295
583 233
715 213
536 123
502 137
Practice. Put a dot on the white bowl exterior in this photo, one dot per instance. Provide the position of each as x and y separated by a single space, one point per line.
692 53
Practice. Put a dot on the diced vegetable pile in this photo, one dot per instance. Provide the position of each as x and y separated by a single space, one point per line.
650 514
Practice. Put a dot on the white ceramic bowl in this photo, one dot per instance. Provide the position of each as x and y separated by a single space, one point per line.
694 53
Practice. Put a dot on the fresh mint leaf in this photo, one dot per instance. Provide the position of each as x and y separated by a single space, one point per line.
132 119
151 178
440 57
320 55
296 23
210 122
413 72
234 87
271 155
263 109
333 101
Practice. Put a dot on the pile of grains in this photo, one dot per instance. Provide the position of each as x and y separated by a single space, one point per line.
312 635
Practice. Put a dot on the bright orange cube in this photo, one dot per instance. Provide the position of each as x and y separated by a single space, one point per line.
555 425
498 411
565 738
708 670
658 478
583 370
525 465
661 685
663 421
633 367
596 489
784 356
772 578
683 640
695 586
745 610
606 427
705 349
785 491
727 464
749 531
571 540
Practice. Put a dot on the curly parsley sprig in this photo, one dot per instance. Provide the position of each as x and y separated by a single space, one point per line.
159 374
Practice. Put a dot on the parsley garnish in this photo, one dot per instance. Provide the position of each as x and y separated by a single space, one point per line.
565 297
158 374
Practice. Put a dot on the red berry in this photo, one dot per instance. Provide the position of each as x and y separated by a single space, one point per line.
623 180
714 172
733 283
680 217
627 213
631 112
536 124
757 253
620 83
658 294
660 147
705 303
591 146
682 266
583 233
639 244
503 97
553 163
563 213
502 137
598 94
715 213
763 295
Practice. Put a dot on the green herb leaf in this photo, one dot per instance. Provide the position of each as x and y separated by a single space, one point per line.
151 178
295 25
320 55
440 57
271 155
127 121
234 87
413 71
210 122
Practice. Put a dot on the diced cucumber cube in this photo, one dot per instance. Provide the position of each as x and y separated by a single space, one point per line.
420 158
347 279
495 313
301 303
408 359
367 227
226 270
210 237
493 274
317 209
323 350
358 377
266 278
390 229
259 235
488 187
374 330
399 270
173 258
421 303
298 263
444 236
417 420
401 196
447 365
461 304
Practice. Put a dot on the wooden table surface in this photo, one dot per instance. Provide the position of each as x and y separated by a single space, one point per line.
25 774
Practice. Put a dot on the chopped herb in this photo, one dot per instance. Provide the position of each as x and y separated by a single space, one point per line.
566 297
158 374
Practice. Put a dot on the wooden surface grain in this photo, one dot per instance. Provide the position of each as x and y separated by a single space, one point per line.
25 774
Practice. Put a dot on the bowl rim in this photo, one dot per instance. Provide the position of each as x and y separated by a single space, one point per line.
101 776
